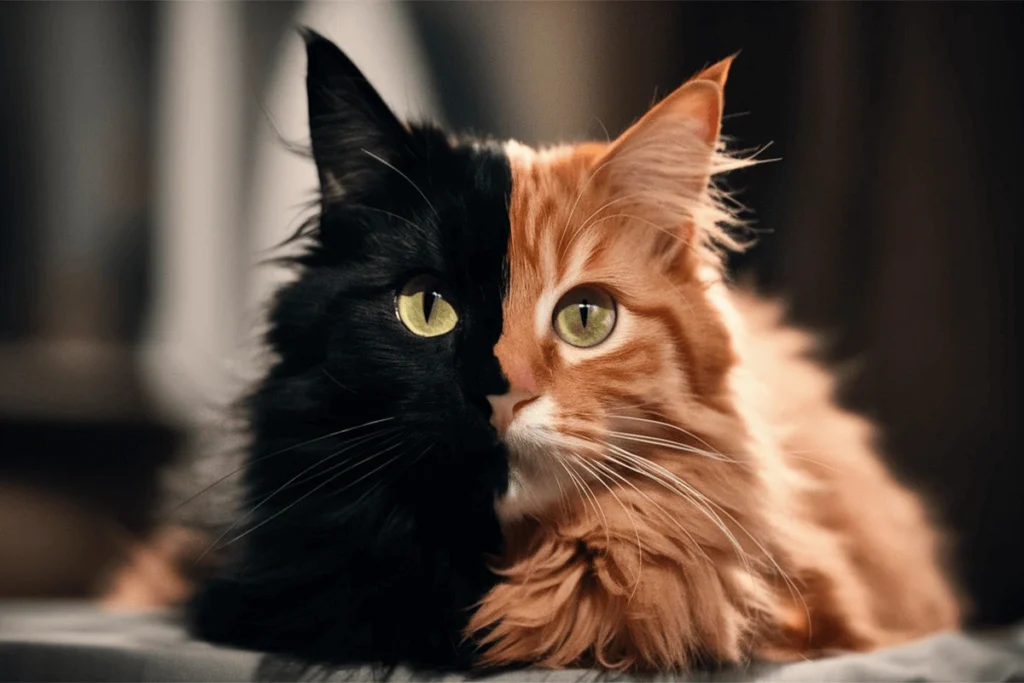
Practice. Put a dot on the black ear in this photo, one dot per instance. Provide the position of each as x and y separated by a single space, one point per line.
349 123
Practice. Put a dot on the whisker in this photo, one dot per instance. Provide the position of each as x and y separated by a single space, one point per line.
671 426
576 203
586 222
316 475
697 546
271 455
674 445
417 226
572 479
238 522
563 500
407 179
376 486
636 529
710 503
796 455
672 482
307 495
600 508
587 495
331 377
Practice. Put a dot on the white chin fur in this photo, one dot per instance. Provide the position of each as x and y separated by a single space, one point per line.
525 498
534 481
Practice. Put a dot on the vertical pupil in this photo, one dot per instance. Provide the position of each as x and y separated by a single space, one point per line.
429 300
584 312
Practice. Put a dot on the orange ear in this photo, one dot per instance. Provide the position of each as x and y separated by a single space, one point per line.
717 73
694 108
678 133
661 166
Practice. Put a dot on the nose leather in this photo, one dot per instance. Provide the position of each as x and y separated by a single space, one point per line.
505 406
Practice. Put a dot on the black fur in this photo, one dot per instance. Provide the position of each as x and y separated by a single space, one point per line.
346 557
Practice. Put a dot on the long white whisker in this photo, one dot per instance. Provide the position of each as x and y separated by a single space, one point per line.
408 222
636 529
308 494
407 179
710 503
270 455
668 443
599 507
343 463
612 473
576 203
672 482
281 488
672 426
588 496
583 225
572 478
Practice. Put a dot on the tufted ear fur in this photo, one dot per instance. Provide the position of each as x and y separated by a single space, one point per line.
351 128
661 167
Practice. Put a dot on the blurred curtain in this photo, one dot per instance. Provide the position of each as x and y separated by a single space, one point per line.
897 234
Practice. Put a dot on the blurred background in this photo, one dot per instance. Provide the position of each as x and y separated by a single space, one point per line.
144 174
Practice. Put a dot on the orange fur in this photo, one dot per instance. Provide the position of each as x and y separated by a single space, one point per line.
687 490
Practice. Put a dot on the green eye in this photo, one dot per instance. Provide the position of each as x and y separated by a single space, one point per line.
423 308
584 316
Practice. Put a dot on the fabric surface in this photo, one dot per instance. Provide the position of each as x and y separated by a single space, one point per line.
62 642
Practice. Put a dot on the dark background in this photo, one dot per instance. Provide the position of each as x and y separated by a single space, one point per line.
889 223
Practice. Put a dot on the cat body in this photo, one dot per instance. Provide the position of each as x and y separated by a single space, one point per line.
372 472
517 416
689 491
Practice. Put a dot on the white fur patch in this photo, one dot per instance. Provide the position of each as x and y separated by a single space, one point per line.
535 475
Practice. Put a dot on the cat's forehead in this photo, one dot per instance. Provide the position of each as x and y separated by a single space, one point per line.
554 198
549 173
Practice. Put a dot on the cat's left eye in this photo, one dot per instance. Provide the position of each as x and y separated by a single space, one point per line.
584 316
423 308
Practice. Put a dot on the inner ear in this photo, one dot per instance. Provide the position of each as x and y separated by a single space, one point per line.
661 167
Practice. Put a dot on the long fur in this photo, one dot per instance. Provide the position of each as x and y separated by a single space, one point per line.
699 497
686 491
371 472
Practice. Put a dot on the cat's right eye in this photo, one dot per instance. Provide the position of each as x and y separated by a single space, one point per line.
423 308
584 316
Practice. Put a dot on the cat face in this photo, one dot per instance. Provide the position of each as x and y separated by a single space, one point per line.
470 297
399 303
610 338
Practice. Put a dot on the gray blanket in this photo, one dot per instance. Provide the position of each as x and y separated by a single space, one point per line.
60 642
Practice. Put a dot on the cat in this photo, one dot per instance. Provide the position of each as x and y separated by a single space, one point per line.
371 478
684 490
479 334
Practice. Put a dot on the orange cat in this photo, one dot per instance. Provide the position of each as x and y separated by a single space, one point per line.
683 487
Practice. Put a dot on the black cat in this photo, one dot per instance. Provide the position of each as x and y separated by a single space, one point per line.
373 469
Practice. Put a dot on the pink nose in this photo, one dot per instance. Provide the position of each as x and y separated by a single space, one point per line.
505 406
